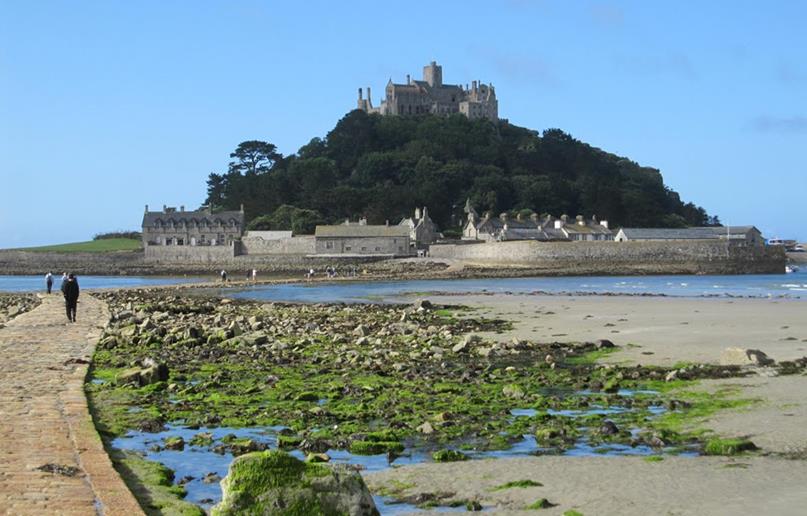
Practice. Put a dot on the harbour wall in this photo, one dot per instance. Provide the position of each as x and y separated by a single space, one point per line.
675 257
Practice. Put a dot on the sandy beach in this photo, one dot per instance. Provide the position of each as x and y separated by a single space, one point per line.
662 331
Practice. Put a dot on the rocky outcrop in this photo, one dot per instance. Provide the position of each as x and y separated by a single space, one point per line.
274 483
745 357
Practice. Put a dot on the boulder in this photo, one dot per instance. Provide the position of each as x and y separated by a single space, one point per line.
604 344
744 357
274 483
422 305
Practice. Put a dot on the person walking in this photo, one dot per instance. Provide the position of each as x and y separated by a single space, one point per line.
70 291
223 276
49 281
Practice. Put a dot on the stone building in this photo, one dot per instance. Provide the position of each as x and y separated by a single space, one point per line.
431 96
544 229
170 227
362 239
422 229
741 235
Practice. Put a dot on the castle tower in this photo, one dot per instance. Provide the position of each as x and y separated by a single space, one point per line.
433 74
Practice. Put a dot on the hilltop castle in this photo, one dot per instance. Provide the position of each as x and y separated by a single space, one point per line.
430 95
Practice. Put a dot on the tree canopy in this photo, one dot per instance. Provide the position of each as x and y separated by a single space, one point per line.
382 167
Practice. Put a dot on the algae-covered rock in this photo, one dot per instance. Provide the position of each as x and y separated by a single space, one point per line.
274 483
448 456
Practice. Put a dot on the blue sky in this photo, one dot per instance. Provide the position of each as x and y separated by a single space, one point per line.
108 106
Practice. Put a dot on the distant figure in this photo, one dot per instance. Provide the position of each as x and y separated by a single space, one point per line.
249 275
70 291
254 274
223 276
64 280
49 281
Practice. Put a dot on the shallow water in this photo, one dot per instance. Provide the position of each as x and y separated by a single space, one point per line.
751 285
37 283
198 461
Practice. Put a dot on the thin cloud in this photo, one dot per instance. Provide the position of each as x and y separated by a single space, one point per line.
677 65
773 124
607 15
518 67
789 74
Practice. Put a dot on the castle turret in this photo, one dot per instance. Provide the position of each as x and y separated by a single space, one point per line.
433 74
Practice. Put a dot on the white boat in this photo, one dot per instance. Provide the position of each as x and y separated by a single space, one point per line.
789 269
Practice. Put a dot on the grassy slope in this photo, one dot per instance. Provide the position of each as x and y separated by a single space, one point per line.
93 246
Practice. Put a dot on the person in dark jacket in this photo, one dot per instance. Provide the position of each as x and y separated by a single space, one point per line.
70 291
49 281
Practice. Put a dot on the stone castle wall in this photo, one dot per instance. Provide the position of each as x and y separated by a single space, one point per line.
189 254
679 257
298 245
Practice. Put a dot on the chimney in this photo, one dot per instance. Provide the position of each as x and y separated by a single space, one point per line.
182 207
473 85
408 79
534 217
519 217
580 220
147 208
165 208
558 224
604 223
386 222
347 221
242 207
363 221
503 216
368 94
417 213
359 93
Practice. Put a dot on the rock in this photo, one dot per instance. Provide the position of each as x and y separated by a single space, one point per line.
426 428
461 347
317 457
513 391
484 352
211 477
449 456
274 483
174 443
604 344
671 376
608 427
744 357
128 376
154 374
422 305
361 331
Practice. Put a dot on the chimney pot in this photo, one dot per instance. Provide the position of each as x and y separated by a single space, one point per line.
182 207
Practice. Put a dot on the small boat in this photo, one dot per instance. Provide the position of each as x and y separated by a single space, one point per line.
789 269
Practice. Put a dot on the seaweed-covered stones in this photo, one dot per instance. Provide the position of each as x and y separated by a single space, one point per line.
274 483
449 456
728 446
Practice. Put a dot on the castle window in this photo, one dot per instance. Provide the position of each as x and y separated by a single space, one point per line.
328 245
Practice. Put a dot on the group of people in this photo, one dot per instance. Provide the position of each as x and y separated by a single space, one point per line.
331 272
251 275
70 291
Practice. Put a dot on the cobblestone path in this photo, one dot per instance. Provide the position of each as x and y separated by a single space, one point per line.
51 458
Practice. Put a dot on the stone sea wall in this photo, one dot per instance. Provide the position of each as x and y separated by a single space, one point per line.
295 245
680 257
556 258
166 261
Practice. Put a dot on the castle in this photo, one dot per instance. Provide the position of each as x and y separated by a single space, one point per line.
431 96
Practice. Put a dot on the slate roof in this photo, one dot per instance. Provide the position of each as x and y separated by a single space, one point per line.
361 231
700 233
150 217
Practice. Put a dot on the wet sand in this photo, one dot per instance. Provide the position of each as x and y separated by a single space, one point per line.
661 331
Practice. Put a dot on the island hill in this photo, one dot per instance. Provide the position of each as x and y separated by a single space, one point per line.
488 193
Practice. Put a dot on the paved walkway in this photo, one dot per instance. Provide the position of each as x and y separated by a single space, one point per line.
44 420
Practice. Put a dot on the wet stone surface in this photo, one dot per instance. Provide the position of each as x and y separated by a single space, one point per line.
191 382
